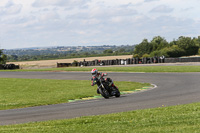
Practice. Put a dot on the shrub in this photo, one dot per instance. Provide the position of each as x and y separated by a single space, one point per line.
173 51
136 56
156 53
146 56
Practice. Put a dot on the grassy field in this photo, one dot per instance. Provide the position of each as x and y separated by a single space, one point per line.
176 119
125 69
19 93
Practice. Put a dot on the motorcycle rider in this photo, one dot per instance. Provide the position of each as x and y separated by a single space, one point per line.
98 75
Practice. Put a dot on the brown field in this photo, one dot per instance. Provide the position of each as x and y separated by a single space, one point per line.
53 63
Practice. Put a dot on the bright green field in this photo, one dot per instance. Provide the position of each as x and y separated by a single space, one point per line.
174 119
19 93
127 69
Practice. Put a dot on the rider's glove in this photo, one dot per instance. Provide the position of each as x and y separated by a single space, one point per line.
93 83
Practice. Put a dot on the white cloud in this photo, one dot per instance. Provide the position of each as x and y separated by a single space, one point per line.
90 22
44 3
10 8
66 3
49 16
150 0
162 9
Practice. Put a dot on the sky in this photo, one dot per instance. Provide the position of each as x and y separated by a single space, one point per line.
43 23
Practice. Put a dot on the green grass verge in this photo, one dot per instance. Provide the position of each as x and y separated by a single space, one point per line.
176 119
19 93
126 69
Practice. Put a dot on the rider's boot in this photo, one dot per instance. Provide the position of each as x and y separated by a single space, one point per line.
113 89
114 85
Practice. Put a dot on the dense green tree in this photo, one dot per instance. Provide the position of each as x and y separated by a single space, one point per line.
143 48
158 43
3 58
197 41
172 43
187 44
146 47
183 46
199 51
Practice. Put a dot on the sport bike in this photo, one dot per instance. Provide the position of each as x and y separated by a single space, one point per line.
105 87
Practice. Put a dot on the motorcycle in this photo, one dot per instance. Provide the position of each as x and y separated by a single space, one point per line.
105 88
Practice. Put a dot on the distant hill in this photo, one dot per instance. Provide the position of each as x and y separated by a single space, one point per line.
61 52
66 49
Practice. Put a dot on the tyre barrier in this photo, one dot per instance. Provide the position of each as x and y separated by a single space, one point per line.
113 62
129 61
9 66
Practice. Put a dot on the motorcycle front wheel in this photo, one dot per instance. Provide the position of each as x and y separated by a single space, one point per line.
104 93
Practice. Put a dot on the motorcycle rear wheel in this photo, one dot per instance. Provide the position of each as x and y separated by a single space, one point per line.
117 92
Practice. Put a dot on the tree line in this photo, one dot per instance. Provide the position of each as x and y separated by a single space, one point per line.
158 46
3 57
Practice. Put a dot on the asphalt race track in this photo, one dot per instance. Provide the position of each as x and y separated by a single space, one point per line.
172 89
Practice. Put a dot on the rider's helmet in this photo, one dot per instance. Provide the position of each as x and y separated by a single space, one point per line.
94 72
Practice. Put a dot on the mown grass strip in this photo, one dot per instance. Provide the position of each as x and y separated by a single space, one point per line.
20 93
126 69
176 119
